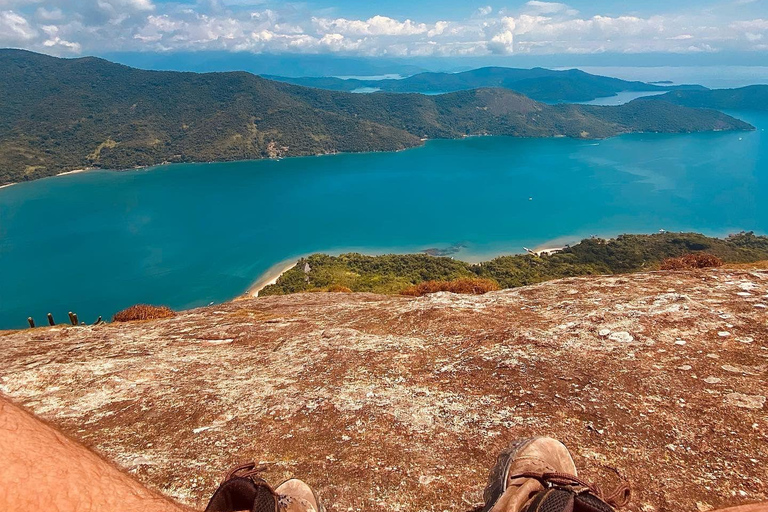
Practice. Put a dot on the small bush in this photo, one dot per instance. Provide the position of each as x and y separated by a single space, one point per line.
692 261
143 312
470 286
337 288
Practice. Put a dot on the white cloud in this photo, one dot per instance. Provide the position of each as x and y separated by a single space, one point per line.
15 29
755 25
539 7
123 5
538 27
375 26
502 43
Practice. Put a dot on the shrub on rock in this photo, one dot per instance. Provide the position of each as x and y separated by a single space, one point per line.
143 312
692 261
470 286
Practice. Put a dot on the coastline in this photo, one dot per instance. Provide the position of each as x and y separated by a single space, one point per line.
422 142
277 270
65 173
271 276
546 248
74 171
547 251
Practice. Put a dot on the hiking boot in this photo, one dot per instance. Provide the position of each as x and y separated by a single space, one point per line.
538 474
509 492
243 490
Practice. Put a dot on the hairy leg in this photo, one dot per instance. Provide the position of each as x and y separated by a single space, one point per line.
42 469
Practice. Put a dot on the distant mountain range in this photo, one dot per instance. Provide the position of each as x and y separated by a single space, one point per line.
63 114
293 65
537 83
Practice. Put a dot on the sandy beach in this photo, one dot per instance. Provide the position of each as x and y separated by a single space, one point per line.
271 276
547 250
75 171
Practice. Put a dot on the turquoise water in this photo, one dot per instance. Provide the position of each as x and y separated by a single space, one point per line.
187 235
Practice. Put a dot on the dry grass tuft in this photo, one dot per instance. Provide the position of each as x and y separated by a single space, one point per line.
466 285
692 261
337 288
143 312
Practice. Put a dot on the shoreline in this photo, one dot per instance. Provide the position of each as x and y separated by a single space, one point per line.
271 276
422 142
75 171
277 270
544 249
65 173
547 251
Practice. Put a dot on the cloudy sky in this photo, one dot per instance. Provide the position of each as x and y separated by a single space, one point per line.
396 28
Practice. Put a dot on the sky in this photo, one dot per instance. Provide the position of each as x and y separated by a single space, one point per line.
395 28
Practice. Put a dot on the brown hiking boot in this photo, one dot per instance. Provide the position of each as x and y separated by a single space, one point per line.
538 474
296 496
242 490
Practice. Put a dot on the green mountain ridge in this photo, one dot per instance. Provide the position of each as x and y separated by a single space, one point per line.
537 83
752 97
58 115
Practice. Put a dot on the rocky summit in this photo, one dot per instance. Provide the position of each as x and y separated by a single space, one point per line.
401 403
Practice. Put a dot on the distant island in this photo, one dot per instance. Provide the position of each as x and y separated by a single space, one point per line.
538 83
59 115
752 97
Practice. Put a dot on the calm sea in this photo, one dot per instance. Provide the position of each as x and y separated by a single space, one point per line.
187 235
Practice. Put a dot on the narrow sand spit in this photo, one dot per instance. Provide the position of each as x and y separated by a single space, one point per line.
271 276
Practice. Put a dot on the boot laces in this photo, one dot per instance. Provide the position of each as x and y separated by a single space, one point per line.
618 498
247 470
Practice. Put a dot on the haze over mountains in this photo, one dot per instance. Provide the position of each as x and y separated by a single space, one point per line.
537 83
753 97
58 115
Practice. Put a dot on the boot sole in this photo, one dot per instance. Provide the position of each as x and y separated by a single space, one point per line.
497 479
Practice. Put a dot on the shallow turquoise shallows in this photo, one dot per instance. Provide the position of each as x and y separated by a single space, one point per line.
187 235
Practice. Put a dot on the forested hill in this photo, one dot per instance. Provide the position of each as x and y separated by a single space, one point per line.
537 83
753 97
59 114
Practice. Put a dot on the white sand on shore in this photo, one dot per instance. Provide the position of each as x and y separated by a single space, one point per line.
547 250
75 171
271 276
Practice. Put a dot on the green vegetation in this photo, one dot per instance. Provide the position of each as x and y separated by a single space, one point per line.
62 114
537 83
753 97
626 253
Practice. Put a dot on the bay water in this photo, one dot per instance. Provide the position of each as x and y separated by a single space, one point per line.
189 234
